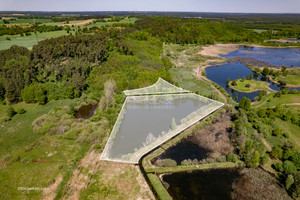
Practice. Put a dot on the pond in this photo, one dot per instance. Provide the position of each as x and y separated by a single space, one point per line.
147 121
220 74
185 150
86 111
275 56
213 184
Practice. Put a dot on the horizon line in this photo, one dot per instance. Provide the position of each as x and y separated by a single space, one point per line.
233 12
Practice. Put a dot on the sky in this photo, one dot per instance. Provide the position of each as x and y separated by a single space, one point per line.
249 6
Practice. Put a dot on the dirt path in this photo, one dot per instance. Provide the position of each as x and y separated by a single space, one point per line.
126 179
79 179
79 23
199 70
267 145
51 193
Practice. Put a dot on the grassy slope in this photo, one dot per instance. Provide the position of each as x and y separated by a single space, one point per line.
28 41
158 187
284 99
254 86
20 147
25 21
292 79
292 130
109 23
187 59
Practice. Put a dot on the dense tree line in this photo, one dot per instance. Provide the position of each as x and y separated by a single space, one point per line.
15 29
63 61
196 31
67 66
206 31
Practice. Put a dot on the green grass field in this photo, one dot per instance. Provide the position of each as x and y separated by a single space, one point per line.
254 86
28 41
27 21
273 101
292 79
109 23
186 59
292 130
28 159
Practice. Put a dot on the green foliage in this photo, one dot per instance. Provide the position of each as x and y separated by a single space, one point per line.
21 111
245 103
247 85
277 153
289 167
289 181
34 93
277 132
166 163
233 83
265 71
10 112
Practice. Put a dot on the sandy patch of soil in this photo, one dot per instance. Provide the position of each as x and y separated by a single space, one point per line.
215 50
79 23
80 180
51 193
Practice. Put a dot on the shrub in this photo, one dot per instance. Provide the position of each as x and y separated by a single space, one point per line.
166 163
10 112
278 167
277 153
245 103
233 83
247 85
277 132
21 111
289 167
289 181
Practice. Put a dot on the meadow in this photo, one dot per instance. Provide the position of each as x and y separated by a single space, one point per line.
28 41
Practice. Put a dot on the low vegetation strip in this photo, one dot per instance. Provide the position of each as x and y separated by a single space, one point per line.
248 86
158 187
181 168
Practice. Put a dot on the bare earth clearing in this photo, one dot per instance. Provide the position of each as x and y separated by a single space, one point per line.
79 23
215 137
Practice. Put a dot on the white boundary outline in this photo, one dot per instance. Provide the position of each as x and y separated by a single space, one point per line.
171 135
133 92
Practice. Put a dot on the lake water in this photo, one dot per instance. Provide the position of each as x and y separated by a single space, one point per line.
86 111
220 74
185 150
147 121
275 56
213 184
150 116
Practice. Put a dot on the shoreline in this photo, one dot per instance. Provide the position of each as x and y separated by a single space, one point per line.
268 89
216 49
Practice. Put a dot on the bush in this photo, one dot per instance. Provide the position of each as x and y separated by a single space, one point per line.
10 112
21 111
289 167
277 153
278 167
245 103
34 93
166 163
233 83
289 181
247 85
277 132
